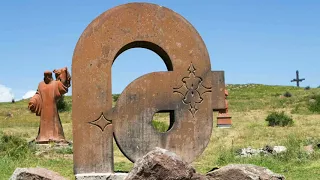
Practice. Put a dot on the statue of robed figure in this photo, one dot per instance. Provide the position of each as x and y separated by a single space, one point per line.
44 104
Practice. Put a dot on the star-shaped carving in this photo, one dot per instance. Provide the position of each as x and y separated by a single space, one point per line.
101 122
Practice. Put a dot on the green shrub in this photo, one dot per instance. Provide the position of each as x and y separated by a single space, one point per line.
279 119
314 103
287 94
115 97
62 105
13 146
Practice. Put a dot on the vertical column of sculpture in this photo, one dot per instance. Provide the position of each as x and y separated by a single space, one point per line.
44 104
224 118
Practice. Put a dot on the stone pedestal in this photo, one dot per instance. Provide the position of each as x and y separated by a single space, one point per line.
101 176
224 121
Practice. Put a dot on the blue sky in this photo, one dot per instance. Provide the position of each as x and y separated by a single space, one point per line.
253 41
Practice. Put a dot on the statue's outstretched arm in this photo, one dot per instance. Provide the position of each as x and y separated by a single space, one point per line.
63 76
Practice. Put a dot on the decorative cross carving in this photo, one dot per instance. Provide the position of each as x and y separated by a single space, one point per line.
192 90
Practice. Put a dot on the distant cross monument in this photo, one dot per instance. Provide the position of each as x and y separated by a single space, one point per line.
297 79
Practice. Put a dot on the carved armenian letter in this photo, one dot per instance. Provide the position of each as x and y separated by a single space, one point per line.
186 89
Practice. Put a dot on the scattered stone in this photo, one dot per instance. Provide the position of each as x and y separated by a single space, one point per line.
35 174
267 150
248 152
309 149
9 115
162 164
243 172
279 149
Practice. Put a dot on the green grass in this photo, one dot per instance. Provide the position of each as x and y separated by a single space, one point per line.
16 152
289 163
249 107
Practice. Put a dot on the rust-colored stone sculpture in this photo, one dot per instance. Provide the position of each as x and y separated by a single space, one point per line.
224 118
44 104
189 90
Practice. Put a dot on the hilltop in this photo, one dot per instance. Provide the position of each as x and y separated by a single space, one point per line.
249 106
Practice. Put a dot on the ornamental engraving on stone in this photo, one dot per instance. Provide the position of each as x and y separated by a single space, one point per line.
189 90
101 122
192 90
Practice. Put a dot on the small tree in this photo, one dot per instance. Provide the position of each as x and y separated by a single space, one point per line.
115 97
62 105
314 105
287 94
279 119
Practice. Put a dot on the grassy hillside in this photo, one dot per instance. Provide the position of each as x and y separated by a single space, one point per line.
249 106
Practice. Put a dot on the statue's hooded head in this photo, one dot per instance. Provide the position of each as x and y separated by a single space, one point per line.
47 77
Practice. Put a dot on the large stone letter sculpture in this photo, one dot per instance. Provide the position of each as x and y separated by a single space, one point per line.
44 104
189 90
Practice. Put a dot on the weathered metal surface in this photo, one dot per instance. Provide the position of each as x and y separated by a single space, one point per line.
297 79
186 89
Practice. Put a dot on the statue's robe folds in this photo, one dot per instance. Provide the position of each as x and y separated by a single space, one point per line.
45 105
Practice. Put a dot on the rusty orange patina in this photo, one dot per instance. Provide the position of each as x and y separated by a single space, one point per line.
44 104
224 118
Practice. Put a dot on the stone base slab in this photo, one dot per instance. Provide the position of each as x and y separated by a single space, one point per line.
224 125
101 176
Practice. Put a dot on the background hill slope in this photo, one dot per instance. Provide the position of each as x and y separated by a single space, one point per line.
249 106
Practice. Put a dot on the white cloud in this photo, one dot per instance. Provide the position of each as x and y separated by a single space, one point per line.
6 94
29 94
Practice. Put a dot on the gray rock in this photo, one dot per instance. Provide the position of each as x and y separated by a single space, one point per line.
35 174
267 150
309 149
165 165
162 164
243 172
248 152
279 149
